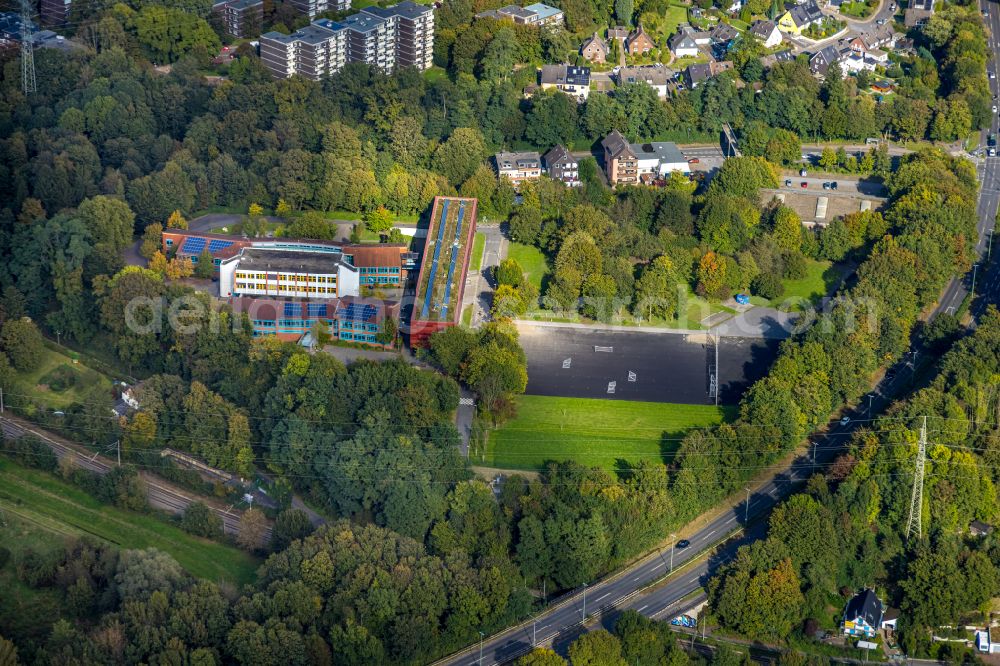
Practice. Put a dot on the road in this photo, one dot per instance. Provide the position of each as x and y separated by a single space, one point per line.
161 495
602 601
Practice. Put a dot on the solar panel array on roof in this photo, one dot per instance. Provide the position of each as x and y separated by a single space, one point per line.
293 309
193 245
356 312
216 245
316 309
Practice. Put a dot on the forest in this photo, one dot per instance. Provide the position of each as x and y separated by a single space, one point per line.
848 529
423 557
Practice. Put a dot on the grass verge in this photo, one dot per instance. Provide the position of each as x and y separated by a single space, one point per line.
478 245
601 433
63 509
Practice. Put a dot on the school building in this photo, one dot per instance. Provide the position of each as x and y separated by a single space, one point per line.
348 318
384 265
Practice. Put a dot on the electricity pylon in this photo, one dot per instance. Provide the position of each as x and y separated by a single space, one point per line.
917 498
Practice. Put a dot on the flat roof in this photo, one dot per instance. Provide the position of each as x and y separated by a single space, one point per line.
544 11
405 9
255 258
665 151
363 22
445 260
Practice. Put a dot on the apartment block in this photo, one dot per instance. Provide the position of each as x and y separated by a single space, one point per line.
386 37
562 166
312 8
314 52
240 18
54 12
348 318
413 39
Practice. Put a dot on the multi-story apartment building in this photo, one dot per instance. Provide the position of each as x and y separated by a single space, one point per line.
371 39
519 167
315 51
240 18
386 37
54 12
414 32
562 166
620 164
312 8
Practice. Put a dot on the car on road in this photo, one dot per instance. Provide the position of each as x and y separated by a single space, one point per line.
890 374
803 184
994 108
992 152
833 184
991 140
881 22
682 544
693 160
788 182
993 75
844 421
826 186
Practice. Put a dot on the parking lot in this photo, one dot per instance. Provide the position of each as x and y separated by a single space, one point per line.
652 367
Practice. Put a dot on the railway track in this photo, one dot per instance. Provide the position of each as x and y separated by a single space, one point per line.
160 495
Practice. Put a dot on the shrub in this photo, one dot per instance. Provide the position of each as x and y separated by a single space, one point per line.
768 285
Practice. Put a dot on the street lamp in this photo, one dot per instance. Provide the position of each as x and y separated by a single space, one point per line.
746 512
481 637
975 269
584 602
673 547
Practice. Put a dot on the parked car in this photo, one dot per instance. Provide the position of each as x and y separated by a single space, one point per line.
788 182
993 75
992 152
881 22
994 108
803 173
844 421
826 186
803 184
693 160
742 299
991 140
833 184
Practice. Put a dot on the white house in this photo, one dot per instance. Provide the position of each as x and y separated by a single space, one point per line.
683 45
659 159
767 32
656 77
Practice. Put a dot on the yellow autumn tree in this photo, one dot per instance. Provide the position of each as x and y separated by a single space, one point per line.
176 221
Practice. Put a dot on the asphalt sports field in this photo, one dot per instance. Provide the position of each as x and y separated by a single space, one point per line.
632 365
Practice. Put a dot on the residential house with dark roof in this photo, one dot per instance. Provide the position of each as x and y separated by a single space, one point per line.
518 167
822 60
863 615
618 32
639 42
682 45
767 32
799 17
700 72
723 34
882 37
773 59
560 165
656 77
572 80
594 49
